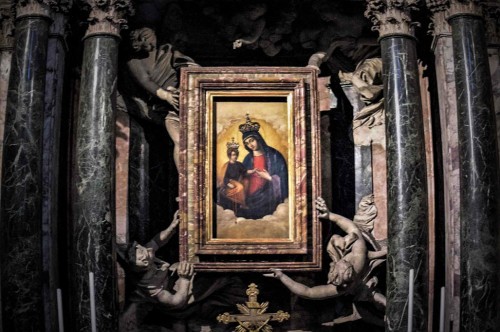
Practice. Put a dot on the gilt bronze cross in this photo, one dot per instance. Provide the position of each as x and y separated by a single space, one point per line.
252 317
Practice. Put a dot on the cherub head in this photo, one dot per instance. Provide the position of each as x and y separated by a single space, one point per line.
341 273
139 258
143 39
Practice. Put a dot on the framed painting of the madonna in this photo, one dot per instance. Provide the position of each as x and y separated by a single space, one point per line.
249 168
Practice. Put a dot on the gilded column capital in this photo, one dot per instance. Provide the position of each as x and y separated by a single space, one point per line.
465 7
107 17
392 17
7 14
33 8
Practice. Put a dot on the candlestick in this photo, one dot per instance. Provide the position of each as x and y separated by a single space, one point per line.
60 317
92 302
410 301
441 310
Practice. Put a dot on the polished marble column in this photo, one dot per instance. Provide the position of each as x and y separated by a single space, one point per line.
21 207
6 47
406 167
445 76
478 171
93 183
54 88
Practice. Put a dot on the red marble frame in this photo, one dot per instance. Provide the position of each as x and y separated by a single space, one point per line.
303 251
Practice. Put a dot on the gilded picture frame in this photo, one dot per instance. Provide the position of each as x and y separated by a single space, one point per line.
249 168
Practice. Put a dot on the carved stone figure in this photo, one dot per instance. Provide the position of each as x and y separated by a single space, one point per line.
339 43
154 70
249 24
151 275
175 291
367 80
354 257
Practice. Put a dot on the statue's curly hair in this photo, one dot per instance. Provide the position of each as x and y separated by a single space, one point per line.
144 34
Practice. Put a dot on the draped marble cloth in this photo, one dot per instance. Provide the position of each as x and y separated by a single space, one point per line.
367 80
167 66
364 220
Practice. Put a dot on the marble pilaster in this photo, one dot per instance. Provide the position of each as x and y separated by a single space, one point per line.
492 16
21 206
478 170
139 189
93 183
369 145
445 75
407 198
494 60
122 133
362 152
433 237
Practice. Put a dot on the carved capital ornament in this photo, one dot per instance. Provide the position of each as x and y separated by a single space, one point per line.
439 25
7 14
492 18
33 8
465 7
107 17
392 17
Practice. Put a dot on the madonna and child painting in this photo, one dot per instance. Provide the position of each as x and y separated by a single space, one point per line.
252 157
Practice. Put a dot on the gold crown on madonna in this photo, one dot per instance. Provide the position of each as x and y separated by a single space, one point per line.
232 145
249 126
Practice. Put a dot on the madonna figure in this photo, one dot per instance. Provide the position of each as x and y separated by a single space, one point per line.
267 175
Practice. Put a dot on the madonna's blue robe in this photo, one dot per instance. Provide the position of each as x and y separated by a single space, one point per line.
264 201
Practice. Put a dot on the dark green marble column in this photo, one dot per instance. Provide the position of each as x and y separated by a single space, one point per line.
93 235
407 197
21 206
406 184
54 88
479 310
93 187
